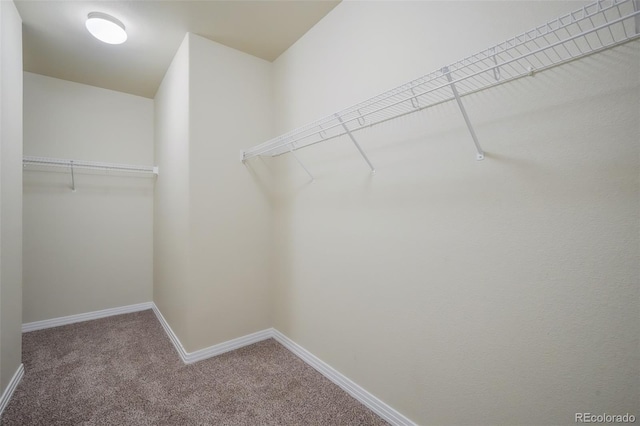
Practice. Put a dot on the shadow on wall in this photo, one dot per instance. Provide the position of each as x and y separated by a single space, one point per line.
88 182
263 174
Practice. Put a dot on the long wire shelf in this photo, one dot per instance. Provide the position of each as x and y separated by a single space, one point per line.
590 29
71 165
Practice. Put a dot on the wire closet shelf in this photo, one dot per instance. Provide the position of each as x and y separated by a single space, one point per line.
87 165
590 29
71 165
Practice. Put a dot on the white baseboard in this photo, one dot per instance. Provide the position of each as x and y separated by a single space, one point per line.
56 322
368 400
11 387
229 345
211 351
172 336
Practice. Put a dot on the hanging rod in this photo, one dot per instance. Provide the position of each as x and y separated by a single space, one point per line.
590 29
91 165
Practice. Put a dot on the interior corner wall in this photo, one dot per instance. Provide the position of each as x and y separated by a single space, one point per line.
10 192
503 291
171 253
230 108
212 236
91 249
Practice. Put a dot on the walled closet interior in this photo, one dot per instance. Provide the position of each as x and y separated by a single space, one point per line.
454 290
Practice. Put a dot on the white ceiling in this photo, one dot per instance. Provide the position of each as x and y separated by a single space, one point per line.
57 44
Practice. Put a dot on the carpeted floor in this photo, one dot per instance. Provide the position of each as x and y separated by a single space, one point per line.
123 370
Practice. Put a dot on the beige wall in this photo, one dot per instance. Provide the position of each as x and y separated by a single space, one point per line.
459 292
462 292
230 109
171 198
91 249
10 191
212 221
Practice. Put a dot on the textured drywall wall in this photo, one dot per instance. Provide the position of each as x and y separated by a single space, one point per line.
171 198
230 108
10 191
91 249
462 292
212 218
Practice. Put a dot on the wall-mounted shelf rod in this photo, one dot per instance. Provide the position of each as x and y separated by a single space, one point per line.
593 28
72 165
89 165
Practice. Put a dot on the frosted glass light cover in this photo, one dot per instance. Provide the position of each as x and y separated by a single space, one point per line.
106 28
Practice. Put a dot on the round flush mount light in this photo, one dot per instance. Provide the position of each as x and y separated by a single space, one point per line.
106 28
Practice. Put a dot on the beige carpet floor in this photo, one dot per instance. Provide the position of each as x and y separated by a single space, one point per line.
123 370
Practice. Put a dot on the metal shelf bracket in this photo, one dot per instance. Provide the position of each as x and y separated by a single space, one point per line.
346 129
496 70
300 162
480 152
73 178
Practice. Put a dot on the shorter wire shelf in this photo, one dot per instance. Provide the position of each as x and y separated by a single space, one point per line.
71 165
590 29
88 165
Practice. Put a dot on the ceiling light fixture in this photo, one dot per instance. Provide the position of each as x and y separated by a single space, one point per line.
106 28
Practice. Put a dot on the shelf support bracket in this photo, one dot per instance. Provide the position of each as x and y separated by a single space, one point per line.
480 152
636 7
73 178
496 70
346 129
300 162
